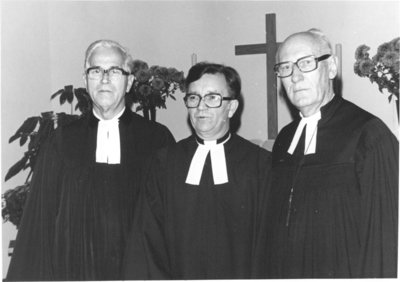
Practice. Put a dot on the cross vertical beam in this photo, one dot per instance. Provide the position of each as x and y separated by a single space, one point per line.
269 48
272 93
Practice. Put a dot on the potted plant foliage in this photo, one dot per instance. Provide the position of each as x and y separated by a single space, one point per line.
35 130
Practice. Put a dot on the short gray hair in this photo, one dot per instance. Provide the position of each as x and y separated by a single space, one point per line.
128 61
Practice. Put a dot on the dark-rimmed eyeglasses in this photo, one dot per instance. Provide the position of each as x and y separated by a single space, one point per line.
211 100
304 64
98 72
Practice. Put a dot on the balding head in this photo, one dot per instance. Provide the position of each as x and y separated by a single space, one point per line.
314 38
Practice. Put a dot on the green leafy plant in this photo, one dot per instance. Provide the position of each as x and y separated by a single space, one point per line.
152 86
36 130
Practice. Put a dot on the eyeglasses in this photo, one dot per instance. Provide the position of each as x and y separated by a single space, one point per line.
211 100
304 64
98 72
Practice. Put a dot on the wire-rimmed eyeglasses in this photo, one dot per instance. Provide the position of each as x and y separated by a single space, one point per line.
97 72
304 64
211 100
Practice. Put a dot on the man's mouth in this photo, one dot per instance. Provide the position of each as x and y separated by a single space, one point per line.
104 91
202 117
299 90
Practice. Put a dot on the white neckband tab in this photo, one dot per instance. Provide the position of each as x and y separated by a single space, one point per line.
108 147
311 124
218 161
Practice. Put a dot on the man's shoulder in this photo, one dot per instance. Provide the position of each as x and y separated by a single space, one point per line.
347 114
186 140
354 111
133 122
352 116
349 121
186 144
73 128
151 132
288 129
244 146
236 142
141 122
175 151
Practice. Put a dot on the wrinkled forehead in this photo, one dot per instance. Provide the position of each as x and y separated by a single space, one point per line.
297 46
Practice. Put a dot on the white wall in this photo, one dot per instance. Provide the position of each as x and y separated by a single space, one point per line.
43 44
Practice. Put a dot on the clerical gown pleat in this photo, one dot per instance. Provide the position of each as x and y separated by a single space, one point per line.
343 217
78 213
201 231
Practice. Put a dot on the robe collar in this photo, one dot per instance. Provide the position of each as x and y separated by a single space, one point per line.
312 123
216 149
108 145
125 118
329 110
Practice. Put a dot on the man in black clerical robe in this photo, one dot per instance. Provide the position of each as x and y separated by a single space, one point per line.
333 207
199 212
86 181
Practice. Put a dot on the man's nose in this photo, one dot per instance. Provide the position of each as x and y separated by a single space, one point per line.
105 78
202 105
297 74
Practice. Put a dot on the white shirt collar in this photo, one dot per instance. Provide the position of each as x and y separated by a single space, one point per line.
218 161
310 144
108 146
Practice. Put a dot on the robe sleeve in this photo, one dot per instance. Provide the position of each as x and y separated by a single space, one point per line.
146 253
378 168
259 256
32 256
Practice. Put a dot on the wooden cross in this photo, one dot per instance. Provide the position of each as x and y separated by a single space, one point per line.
269 48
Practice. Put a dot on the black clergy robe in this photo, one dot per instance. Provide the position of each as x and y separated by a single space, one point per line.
78 213
343 217
204 231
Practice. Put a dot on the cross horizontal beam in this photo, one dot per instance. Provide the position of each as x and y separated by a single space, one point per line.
251 49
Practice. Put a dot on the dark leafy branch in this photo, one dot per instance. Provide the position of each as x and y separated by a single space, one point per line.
36 130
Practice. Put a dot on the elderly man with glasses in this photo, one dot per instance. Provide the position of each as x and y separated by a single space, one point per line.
86 181
333 204
202 202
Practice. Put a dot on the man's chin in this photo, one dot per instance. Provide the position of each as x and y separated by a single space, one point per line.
301 102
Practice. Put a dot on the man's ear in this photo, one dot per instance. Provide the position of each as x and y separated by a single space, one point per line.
233 106
131 79
333 66
84 80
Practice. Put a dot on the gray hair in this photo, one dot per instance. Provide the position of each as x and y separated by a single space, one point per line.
128 61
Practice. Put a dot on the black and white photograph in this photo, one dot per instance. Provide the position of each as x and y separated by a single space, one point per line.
199 139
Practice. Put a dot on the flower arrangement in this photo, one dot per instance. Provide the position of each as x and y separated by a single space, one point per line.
152 86
383 68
